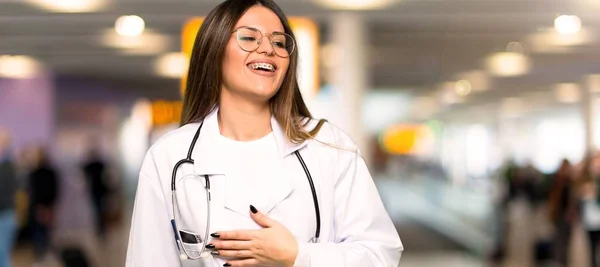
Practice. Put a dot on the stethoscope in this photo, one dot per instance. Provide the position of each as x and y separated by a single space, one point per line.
184 253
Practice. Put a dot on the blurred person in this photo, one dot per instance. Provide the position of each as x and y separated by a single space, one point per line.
504 196
562 206
95 171
588 182
247 132
25 162
8 190
527 183
44 193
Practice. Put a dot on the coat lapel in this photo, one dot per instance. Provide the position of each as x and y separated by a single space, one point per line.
208 158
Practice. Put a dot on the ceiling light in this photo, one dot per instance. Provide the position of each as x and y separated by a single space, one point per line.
18 67
551 41
172 65
567 24
508 64
478 79
147 43
70 6
355 4
567 93
131 25
463 87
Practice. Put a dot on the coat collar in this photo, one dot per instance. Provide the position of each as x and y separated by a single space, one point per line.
210 159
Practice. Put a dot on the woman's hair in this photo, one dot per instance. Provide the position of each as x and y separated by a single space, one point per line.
205 77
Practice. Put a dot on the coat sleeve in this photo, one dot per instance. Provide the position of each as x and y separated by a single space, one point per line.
151 241
364 233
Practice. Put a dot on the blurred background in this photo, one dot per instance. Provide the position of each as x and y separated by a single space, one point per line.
479 119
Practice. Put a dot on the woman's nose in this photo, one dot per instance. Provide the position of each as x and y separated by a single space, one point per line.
265 47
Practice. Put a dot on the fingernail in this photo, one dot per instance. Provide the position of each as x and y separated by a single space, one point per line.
226 265
253 209
214 252
215 235
210 246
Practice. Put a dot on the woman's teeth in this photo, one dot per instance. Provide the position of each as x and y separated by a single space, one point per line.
262 66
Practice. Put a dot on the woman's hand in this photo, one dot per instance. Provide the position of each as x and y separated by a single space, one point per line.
274 245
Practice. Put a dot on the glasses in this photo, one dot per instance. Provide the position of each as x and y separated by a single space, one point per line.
250 39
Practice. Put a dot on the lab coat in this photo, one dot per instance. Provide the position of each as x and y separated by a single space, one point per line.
356 230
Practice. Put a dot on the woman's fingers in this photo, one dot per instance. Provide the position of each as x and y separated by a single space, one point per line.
238 254
229 245
242 263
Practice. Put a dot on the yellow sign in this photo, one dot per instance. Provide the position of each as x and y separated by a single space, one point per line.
406 139
166 112
188 36
307 38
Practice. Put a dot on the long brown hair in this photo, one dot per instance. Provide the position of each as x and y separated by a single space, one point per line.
205 77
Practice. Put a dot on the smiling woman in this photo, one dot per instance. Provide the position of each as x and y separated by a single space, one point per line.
250 178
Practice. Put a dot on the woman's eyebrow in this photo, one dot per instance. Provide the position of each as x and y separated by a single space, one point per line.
254 28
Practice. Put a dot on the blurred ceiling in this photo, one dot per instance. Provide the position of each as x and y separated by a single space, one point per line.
414 45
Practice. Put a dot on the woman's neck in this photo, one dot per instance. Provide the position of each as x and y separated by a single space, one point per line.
243 121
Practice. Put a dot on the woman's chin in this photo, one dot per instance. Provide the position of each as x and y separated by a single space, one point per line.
264 93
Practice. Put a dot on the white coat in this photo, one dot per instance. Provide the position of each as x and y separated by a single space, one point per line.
356 230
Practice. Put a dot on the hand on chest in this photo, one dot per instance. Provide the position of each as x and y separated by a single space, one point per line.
277 187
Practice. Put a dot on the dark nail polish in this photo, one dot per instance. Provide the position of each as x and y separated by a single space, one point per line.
211 246
226 265
215 235
253 209
214 252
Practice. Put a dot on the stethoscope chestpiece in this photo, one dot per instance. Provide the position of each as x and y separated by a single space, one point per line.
314 240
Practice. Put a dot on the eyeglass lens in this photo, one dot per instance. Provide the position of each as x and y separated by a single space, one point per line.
250 39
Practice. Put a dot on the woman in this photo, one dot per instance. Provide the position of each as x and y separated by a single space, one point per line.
256 146
562 208
590 204
44 193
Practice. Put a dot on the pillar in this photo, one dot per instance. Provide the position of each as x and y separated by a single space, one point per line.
349 75
590 93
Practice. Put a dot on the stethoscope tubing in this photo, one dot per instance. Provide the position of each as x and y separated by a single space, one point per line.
175 204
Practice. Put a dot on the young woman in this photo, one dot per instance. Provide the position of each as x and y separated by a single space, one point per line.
250 178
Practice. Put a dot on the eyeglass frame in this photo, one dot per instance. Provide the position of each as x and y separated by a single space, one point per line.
263 35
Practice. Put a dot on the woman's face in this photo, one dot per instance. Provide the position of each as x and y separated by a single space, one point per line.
240 74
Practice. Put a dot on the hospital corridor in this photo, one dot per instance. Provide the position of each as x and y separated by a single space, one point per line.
478 122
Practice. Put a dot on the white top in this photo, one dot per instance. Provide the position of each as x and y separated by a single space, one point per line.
250 164
356 230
